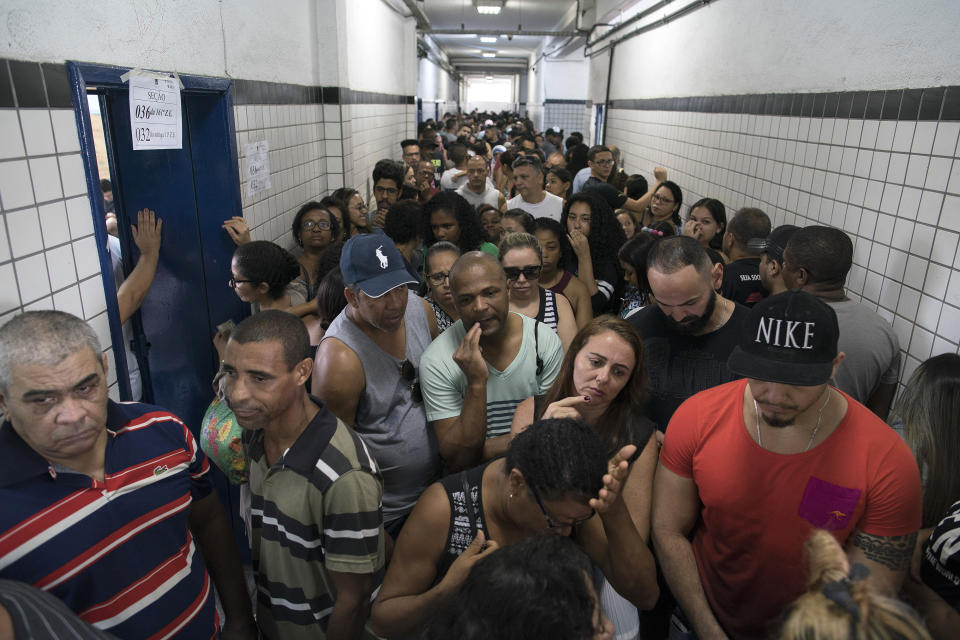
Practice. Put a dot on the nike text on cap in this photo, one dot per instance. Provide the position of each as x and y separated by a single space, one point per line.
789 338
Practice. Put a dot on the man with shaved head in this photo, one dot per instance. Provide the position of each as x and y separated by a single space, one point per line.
476 373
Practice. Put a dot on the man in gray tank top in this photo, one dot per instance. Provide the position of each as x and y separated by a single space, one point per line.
367 371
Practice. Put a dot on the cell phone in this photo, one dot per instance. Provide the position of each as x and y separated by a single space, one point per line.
226 327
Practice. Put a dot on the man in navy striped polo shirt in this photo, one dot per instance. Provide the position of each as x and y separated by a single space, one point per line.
103 502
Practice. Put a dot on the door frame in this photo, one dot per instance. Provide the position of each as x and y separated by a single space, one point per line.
80 75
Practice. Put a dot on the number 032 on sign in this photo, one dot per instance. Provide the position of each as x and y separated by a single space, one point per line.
155 116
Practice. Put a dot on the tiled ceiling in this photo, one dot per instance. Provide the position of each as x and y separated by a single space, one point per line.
465 49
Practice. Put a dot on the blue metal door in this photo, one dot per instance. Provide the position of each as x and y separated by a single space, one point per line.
193 189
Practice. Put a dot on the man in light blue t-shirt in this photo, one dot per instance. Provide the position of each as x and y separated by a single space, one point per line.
476 372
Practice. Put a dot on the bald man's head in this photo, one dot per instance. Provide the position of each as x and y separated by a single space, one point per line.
479 289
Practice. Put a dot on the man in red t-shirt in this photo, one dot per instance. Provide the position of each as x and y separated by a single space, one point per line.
751 467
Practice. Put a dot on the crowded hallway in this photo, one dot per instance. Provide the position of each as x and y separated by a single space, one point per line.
345 328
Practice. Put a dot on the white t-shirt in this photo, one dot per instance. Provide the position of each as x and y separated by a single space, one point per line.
489 196
447 183
550 207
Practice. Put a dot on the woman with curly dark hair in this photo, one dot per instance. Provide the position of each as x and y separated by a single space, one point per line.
448 216
596 237
538 589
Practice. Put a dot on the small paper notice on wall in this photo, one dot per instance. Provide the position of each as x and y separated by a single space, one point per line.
258 166
155 117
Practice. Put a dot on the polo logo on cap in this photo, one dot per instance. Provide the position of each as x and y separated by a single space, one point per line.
774 328
382 258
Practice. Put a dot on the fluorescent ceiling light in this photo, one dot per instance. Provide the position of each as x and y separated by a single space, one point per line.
488 39
488 7
487 54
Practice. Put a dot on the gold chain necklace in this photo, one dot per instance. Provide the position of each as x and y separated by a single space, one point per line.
813 435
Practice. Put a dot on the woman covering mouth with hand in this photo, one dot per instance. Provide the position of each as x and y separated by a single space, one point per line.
602 381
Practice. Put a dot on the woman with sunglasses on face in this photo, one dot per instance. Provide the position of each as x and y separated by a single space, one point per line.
555 480
521 259
602 381
438 261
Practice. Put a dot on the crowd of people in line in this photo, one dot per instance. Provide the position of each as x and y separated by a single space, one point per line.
523 394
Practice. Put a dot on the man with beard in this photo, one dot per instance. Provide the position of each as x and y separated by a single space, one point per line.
753 467
387 181
690 331
477 371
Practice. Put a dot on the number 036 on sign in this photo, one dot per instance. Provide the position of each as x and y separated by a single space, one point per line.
155 116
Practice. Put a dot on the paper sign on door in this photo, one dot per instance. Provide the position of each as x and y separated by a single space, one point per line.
155 120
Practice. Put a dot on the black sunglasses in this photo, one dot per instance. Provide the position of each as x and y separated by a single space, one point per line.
409 373
530 273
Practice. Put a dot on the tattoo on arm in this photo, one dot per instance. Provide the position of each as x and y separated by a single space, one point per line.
893 552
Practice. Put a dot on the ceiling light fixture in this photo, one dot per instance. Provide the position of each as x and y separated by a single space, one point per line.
489 7
488 39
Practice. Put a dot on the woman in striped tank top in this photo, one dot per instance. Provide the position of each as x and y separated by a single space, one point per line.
553 274
521 259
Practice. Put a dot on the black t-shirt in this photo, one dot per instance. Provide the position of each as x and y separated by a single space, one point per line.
680 366
940 566
741 282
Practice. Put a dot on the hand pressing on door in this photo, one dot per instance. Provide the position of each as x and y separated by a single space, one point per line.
238 229
147 236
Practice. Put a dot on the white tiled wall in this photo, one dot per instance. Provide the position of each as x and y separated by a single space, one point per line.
370 132
535 114
315 149
566 116
296 138
894 187
48 255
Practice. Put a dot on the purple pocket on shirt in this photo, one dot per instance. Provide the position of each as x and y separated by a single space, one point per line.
828 506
